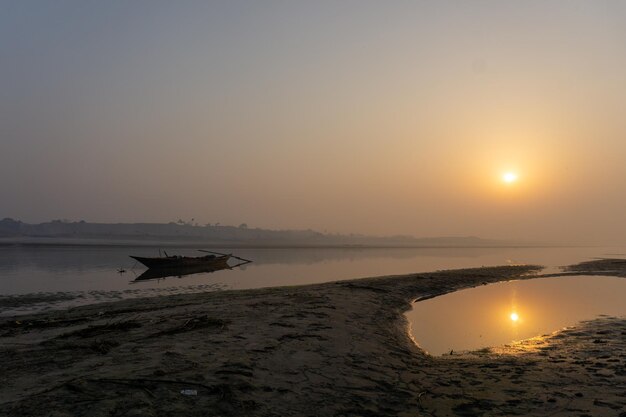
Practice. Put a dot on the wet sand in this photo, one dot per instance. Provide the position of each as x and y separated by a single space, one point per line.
334 349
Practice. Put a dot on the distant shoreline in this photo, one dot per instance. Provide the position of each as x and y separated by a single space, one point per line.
182 243
216 235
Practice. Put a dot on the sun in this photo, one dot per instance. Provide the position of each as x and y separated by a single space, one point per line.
509 177
514 317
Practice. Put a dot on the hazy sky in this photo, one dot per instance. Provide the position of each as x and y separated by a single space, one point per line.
345 116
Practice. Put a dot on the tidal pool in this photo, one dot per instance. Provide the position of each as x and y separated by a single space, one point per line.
497 314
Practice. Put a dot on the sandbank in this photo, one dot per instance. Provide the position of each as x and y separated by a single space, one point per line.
332 349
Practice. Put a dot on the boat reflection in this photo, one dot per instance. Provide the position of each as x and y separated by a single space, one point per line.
181 271
161 273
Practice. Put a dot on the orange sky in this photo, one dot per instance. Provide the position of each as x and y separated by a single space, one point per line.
352 117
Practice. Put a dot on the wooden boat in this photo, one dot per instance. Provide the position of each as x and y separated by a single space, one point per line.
179 266
175 261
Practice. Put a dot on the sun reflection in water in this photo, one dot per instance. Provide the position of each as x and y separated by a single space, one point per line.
509 317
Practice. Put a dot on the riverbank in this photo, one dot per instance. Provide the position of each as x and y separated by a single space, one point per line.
328 349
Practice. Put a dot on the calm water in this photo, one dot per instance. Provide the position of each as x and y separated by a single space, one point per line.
500 313
89 272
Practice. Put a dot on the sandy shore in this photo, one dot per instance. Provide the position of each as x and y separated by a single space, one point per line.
334 349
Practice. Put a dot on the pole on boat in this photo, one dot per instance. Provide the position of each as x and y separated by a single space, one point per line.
225 254
217 253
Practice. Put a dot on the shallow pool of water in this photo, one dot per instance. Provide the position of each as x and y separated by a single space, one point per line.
500 313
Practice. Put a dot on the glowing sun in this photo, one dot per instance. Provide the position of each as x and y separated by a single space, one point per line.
509 177
514 317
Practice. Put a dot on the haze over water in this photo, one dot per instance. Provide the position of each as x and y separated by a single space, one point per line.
494 119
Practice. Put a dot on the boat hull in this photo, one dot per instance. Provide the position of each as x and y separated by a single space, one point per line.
183 261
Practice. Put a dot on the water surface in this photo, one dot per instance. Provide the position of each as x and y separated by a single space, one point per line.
89 272
497 314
